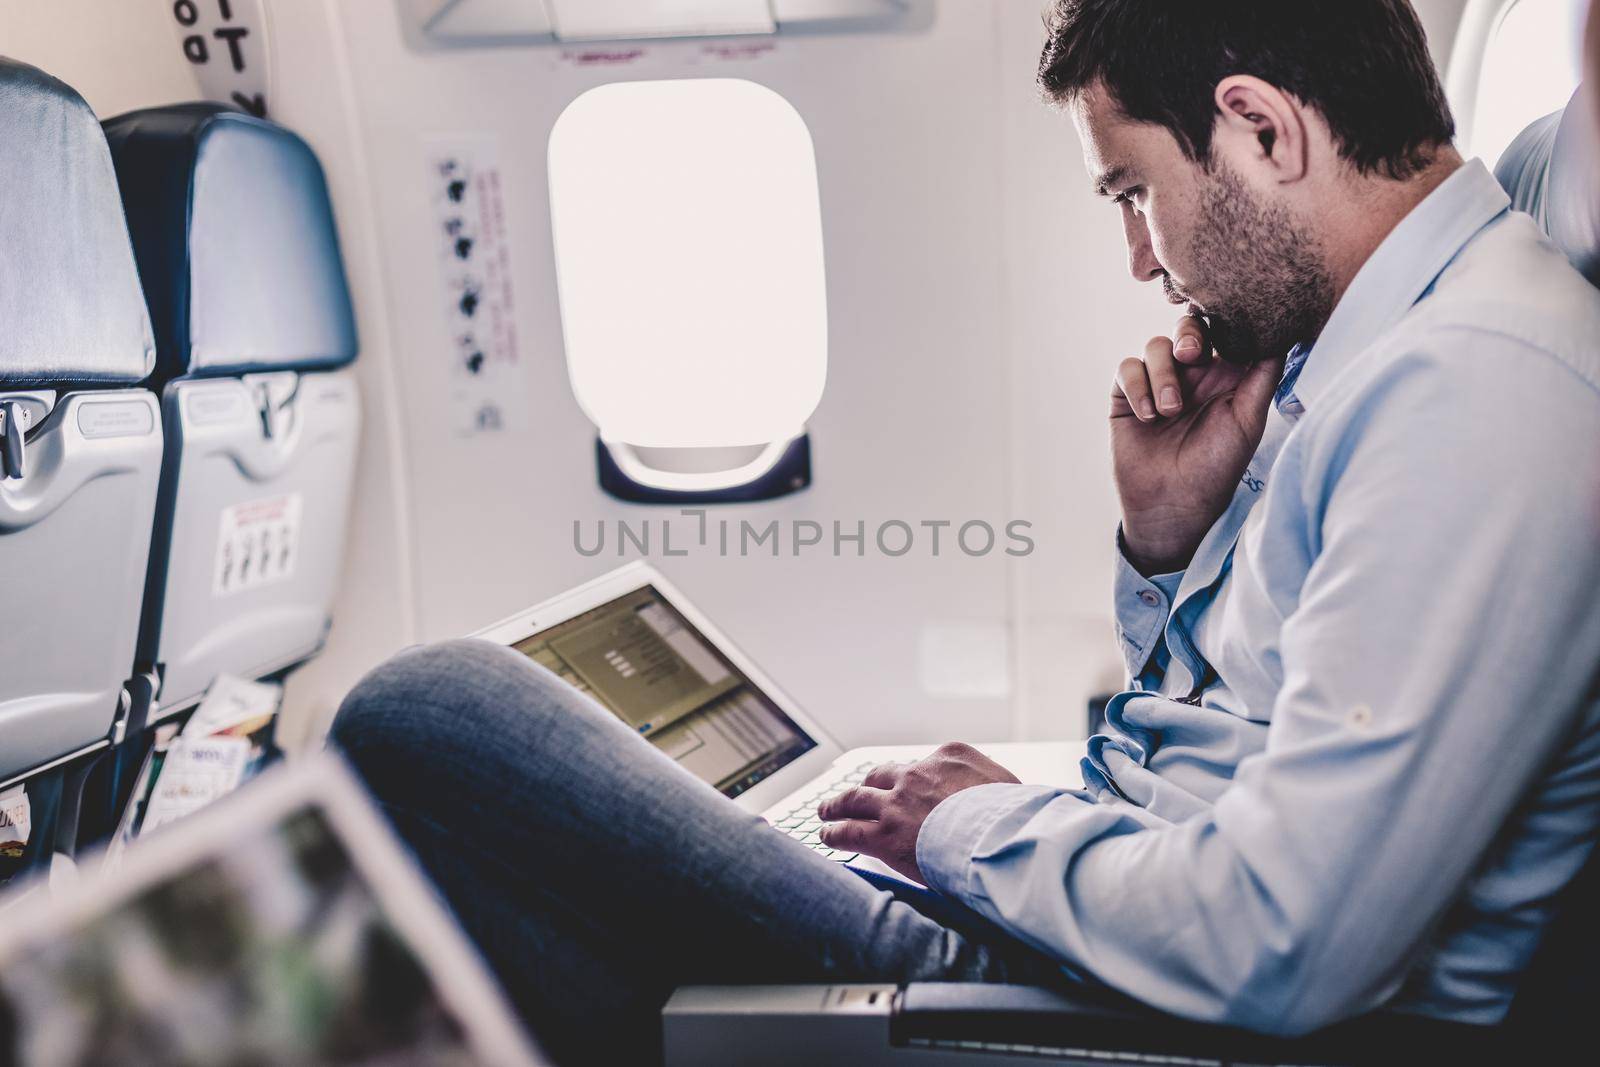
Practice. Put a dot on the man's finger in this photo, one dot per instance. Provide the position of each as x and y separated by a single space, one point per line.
1135 386
1162 370
852 836
857 802
886 776
1253 398
1189 341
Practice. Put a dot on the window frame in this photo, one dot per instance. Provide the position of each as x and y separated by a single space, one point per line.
1480 23
681 473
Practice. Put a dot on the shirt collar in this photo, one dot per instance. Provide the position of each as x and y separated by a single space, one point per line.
1396 277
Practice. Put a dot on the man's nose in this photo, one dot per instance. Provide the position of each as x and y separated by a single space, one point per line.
1142 261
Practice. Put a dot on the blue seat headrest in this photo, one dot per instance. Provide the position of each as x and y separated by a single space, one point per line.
1552 171
236 243
70 307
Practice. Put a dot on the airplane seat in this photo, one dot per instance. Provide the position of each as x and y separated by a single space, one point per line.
80 441
1552 171
957 1024
254 332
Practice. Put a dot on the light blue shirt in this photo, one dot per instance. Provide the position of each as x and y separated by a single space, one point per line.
1361 748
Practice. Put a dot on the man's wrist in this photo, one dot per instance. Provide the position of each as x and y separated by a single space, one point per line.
1151 557
949 836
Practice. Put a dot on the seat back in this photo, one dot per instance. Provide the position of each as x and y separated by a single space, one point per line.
80 451
1552 172
234 233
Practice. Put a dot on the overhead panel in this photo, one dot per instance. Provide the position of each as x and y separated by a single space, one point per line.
788 12
458 23
595 20
463 19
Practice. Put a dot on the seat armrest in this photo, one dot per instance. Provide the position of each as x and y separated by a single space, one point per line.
962 1016
950 1024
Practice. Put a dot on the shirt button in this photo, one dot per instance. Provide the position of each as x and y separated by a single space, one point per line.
1149 598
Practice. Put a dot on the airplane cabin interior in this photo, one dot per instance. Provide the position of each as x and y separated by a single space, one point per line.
742 365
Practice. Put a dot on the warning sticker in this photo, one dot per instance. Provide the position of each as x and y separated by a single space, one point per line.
258 544
487 386
16 823
226 43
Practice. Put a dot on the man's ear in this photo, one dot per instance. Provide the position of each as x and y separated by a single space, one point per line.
1261 126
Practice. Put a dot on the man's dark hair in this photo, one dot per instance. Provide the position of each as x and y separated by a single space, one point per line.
1362 64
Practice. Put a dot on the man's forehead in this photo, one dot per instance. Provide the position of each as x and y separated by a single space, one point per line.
1115 147
1096 113
1109 170
1102 129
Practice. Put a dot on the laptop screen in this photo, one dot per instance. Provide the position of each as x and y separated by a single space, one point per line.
652 669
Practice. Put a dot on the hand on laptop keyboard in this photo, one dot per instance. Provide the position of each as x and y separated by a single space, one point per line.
802 823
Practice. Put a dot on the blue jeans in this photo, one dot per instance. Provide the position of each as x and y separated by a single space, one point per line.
596 875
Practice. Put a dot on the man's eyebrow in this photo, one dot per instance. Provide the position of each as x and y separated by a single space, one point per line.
1112 177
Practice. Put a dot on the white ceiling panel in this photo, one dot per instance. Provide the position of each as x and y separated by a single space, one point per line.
489 18
578 20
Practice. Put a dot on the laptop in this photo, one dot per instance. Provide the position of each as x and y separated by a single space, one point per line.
637 646
282 925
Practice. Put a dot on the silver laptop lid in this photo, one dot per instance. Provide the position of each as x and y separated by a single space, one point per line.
638 647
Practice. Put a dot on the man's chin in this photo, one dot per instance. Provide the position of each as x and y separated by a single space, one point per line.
1233 343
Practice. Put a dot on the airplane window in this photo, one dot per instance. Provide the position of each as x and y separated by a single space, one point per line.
689 257
1531 66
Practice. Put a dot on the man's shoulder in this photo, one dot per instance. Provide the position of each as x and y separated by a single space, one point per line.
1503 356
1507 322
1509 300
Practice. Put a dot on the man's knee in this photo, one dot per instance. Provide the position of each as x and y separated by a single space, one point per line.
439 697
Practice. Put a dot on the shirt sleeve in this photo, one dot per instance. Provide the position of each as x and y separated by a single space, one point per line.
1143 606
1438 658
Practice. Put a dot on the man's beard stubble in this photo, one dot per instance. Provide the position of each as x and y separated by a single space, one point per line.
1268 287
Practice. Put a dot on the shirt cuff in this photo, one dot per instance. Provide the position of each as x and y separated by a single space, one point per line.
1143 606
953 832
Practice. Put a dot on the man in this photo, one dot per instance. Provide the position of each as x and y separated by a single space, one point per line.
1361 540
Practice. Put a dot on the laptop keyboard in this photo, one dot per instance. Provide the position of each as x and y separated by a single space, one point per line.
802 823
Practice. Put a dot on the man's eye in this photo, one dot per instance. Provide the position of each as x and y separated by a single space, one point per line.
1127 197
